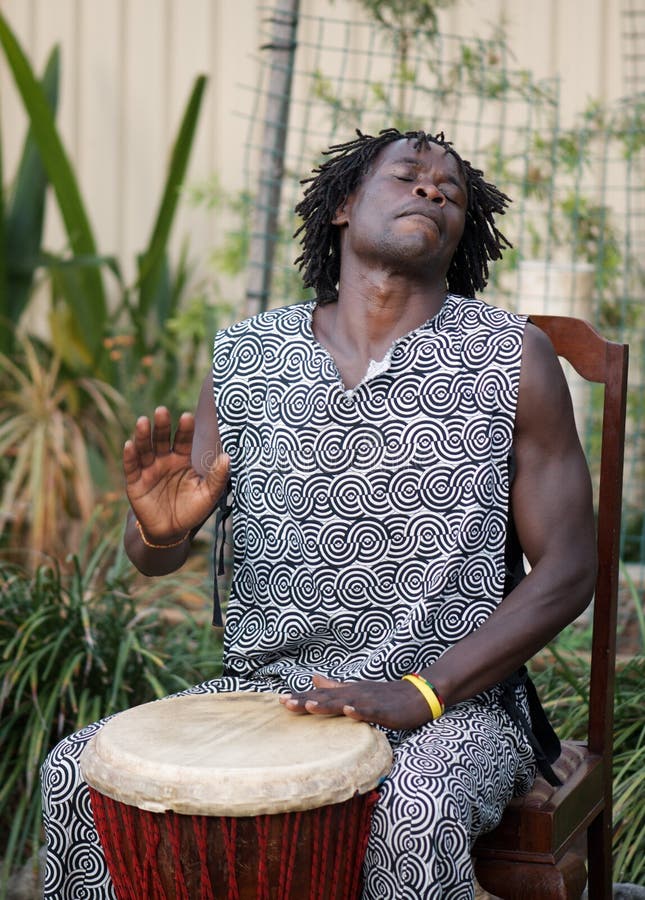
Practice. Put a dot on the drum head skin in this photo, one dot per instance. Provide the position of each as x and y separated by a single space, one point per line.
236 754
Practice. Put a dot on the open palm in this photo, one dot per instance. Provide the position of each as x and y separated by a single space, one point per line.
167 494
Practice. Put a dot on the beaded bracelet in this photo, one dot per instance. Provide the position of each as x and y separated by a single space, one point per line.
436 692
434 701
159 546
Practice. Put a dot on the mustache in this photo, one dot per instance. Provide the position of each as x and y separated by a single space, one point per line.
419 209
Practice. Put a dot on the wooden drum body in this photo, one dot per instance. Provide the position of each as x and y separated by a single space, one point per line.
212 796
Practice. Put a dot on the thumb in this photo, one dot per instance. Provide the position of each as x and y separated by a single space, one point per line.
320 681
217 474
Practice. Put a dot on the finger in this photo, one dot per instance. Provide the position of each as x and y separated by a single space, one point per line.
183 442
327 703
317 695
316 708
293 704
217 475
161 432
143 441
321 681
361 702
130 462
320 700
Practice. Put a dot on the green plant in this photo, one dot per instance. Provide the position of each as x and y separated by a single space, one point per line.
629 774
21 221
51 426
407 15
636 600
81 319
633 536
88 301
403 21
230 257
62 403
561 179
75 647
563 687
155 298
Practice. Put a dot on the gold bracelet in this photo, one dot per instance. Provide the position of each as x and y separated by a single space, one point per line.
159 546
428 692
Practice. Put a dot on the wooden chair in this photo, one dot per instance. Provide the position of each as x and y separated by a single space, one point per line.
534 852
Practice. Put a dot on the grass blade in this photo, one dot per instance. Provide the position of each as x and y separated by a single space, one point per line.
26 209
152 262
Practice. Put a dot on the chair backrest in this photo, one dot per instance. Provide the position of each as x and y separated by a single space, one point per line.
605 362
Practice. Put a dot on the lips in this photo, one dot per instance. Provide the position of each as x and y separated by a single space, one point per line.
419 211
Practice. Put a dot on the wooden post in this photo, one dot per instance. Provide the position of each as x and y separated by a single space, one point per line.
282 48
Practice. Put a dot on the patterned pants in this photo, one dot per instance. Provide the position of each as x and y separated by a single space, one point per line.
449 783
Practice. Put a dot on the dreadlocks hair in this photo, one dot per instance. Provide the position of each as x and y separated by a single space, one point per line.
336 178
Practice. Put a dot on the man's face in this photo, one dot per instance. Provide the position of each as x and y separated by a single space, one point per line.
408 213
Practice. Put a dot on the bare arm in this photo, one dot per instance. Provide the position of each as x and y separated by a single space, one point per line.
172 486
553 511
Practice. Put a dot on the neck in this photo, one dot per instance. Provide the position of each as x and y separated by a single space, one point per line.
376 308
370 314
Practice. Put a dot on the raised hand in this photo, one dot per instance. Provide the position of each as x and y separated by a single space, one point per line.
167 493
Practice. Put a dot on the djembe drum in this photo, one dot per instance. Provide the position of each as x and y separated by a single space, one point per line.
211 796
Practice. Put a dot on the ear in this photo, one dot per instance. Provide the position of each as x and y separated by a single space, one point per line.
341 216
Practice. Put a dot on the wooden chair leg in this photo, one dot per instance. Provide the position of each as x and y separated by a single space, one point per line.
533 881
600 858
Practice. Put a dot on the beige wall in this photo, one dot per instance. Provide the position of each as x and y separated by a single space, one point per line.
128 66
578 41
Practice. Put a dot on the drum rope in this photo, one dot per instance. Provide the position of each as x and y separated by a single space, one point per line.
121 816
262 828
152 839
200 828
365 812
288 855
112 819
318 885
344 810
106 820
351 871
230 840
174 837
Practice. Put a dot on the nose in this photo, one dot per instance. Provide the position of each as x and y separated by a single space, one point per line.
430 192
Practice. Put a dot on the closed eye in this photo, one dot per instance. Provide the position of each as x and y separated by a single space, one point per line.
452 192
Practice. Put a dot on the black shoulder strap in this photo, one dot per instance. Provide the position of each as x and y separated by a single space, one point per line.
539 731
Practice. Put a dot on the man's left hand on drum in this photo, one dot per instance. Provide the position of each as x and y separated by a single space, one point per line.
394 704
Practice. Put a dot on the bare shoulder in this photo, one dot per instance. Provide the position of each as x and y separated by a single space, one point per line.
540 364
544 402
551 493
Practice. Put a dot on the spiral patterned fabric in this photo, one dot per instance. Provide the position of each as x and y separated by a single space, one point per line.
369 525
369 533
450 782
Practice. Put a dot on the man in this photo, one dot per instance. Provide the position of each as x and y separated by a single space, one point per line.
391 447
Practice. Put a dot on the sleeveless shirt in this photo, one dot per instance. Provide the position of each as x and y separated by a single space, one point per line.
369 525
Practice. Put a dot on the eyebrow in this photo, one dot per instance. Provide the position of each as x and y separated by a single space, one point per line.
412 160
